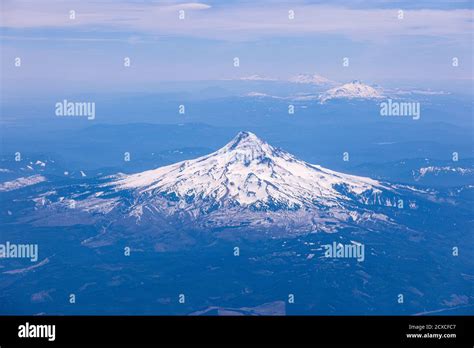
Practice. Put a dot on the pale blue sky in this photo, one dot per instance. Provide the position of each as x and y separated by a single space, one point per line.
89 50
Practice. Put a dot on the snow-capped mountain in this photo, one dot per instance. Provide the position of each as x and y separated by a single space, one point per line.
311 79
351 90
247 172
247 183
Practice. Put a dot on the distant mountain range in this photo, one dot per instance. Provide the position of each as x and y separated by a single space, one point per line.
352 90
310 79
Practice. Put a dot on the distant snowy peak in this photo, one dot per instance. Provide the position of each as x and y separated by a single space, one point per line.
352 90
261 95
311 79
257 78
248 172
434 170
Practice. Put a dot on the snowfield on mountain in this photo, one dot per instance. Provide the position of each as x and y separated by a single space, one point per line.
245 184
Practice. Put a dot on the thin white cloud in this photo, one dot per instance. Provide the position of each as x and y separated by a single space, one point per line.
190 6
235 22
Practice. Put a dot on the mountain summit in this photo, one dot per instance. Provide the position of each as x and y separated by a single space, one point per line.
352 90
247 142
